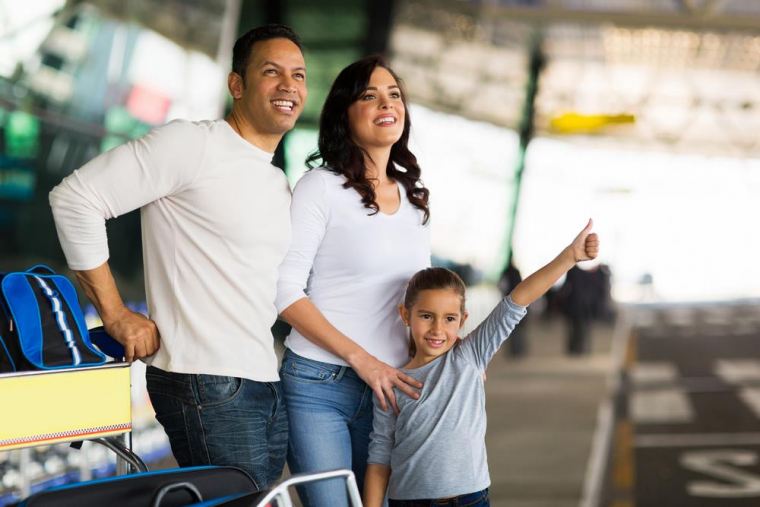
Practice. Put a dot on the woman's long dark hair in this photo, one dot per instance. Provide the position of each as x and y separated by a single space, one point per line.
341 155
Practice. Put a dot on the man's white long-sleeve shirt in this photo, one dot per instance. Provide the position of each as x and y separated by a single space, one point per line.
215 227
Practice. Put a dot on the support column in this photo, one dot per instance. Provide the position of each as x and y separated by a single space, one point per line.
526 131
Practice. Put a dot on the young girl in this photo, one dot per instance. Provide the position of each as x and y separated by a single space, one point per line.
434 449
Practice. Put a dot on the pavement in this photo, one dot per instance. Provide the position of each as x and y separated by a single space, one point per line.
687 414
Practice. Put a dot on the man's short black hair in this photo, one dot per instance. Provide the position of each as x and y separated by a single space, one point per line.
241 53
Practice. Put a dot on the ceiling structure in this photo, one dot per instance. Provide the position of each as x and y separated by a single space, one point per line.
686 71
193 24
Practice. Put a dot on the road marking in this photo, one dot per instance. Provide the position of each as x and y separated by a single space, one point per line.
738 371
654 373
665 406
751 396
697 440
600 447
724 465
623 465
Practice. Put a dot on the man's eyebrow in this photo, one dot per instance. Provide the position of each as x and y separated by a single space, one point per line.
269 62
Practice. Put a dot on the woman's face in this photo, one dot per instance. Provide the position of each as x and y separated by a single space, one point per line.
377 118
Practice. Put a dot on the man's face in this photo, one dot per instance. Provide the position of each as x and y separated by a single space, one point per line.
274 92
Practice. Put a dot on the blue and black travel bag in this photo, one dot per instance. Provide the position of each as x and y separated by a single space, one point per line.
41 323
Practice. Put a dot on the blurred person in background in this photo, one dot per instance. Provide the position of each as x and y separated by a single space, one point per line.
518 340
578 299
604 310
215 226
360 231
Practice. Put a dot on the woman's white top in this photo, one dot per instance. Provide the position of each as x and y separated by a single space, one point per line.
352 265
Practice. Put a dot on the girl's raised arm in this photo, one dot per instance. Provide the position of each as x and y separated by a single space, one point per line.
480 345
584 247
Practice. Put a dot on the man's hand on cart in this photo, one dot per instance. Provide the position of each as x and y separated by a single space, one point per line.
136 332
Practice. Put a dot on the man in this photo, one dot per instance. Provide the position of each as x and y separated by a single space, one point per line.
215 225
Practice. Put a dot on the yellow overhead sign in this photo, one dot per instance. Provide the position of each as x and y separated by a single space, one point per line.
574 123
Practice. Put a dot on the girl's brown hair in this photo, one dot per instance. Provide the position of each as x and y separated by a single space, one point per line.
431 279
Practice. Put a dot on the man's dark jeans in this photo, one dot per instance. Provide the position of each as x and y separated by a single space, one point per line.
216 420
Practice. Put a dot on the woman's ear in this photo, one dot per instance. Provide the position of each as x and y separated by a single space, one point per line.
402 312
464 319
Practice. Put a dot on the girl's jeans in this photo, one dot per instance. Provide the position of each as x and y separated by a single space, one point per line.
477 499
330 417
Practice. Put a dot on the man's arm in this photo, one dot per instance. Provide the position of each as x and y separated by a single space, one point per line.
584 247
112 184
138 334
376 484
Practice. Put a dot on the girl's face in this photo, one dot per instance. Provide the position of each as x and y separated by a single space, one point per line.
377 118
435 321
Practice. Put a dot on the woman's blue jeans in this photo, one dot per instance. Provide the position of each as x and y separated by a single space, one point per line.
330 416
217 420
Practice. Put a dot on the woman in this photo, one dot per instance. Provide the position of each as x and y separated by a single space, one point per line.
359 233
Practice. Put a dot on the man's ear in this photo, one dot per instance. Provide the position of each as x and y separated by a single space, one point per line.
402 312
235 85
464 319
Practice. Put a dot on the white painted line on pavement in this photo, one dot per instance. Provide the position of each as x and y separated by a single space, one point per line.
605 418
592 484
751 396
654 373
697 439
665 406
738 371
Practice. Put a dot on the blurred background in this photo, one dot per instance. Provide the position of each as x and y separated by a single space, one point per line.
529 117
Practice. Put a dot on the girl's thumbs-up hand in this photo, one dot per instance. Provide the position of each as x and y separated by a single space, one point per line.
585 246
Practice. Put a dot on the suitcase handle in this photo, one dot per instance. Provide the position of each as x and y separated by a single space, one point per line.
41 269
165 489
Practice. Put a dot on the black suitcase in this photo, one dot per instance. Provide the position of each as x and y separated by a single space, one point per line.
163 488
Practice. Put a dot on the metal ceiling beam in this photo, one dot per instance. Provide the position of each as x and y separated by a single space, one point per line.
700 19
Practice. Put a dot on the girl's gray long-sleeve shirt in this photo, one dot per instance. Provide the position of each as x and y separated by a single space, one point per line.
436 446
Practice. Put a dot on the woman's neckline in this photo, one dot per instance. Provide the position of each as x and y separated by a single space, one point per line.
400 203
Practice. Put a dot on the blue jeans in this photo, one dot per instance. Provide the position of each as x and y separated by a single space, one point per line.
477 499
223 421
330 413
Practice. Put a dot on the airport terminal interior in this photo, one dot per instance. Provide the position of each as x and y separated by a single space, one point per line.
635 382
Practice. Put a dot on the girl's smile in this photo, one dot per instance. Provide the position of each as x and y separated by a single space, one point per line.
434 321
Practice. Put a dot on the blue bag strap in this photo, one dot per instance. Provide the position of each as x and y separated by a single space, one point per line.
60 319
106 343
41 269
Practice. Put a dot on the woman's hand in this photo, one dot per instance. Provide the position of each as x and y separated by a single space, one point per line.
585 246
382 378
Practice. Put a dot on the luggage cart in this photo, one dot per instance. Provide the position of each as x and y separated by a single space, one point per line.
70 405
279 492
94 404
